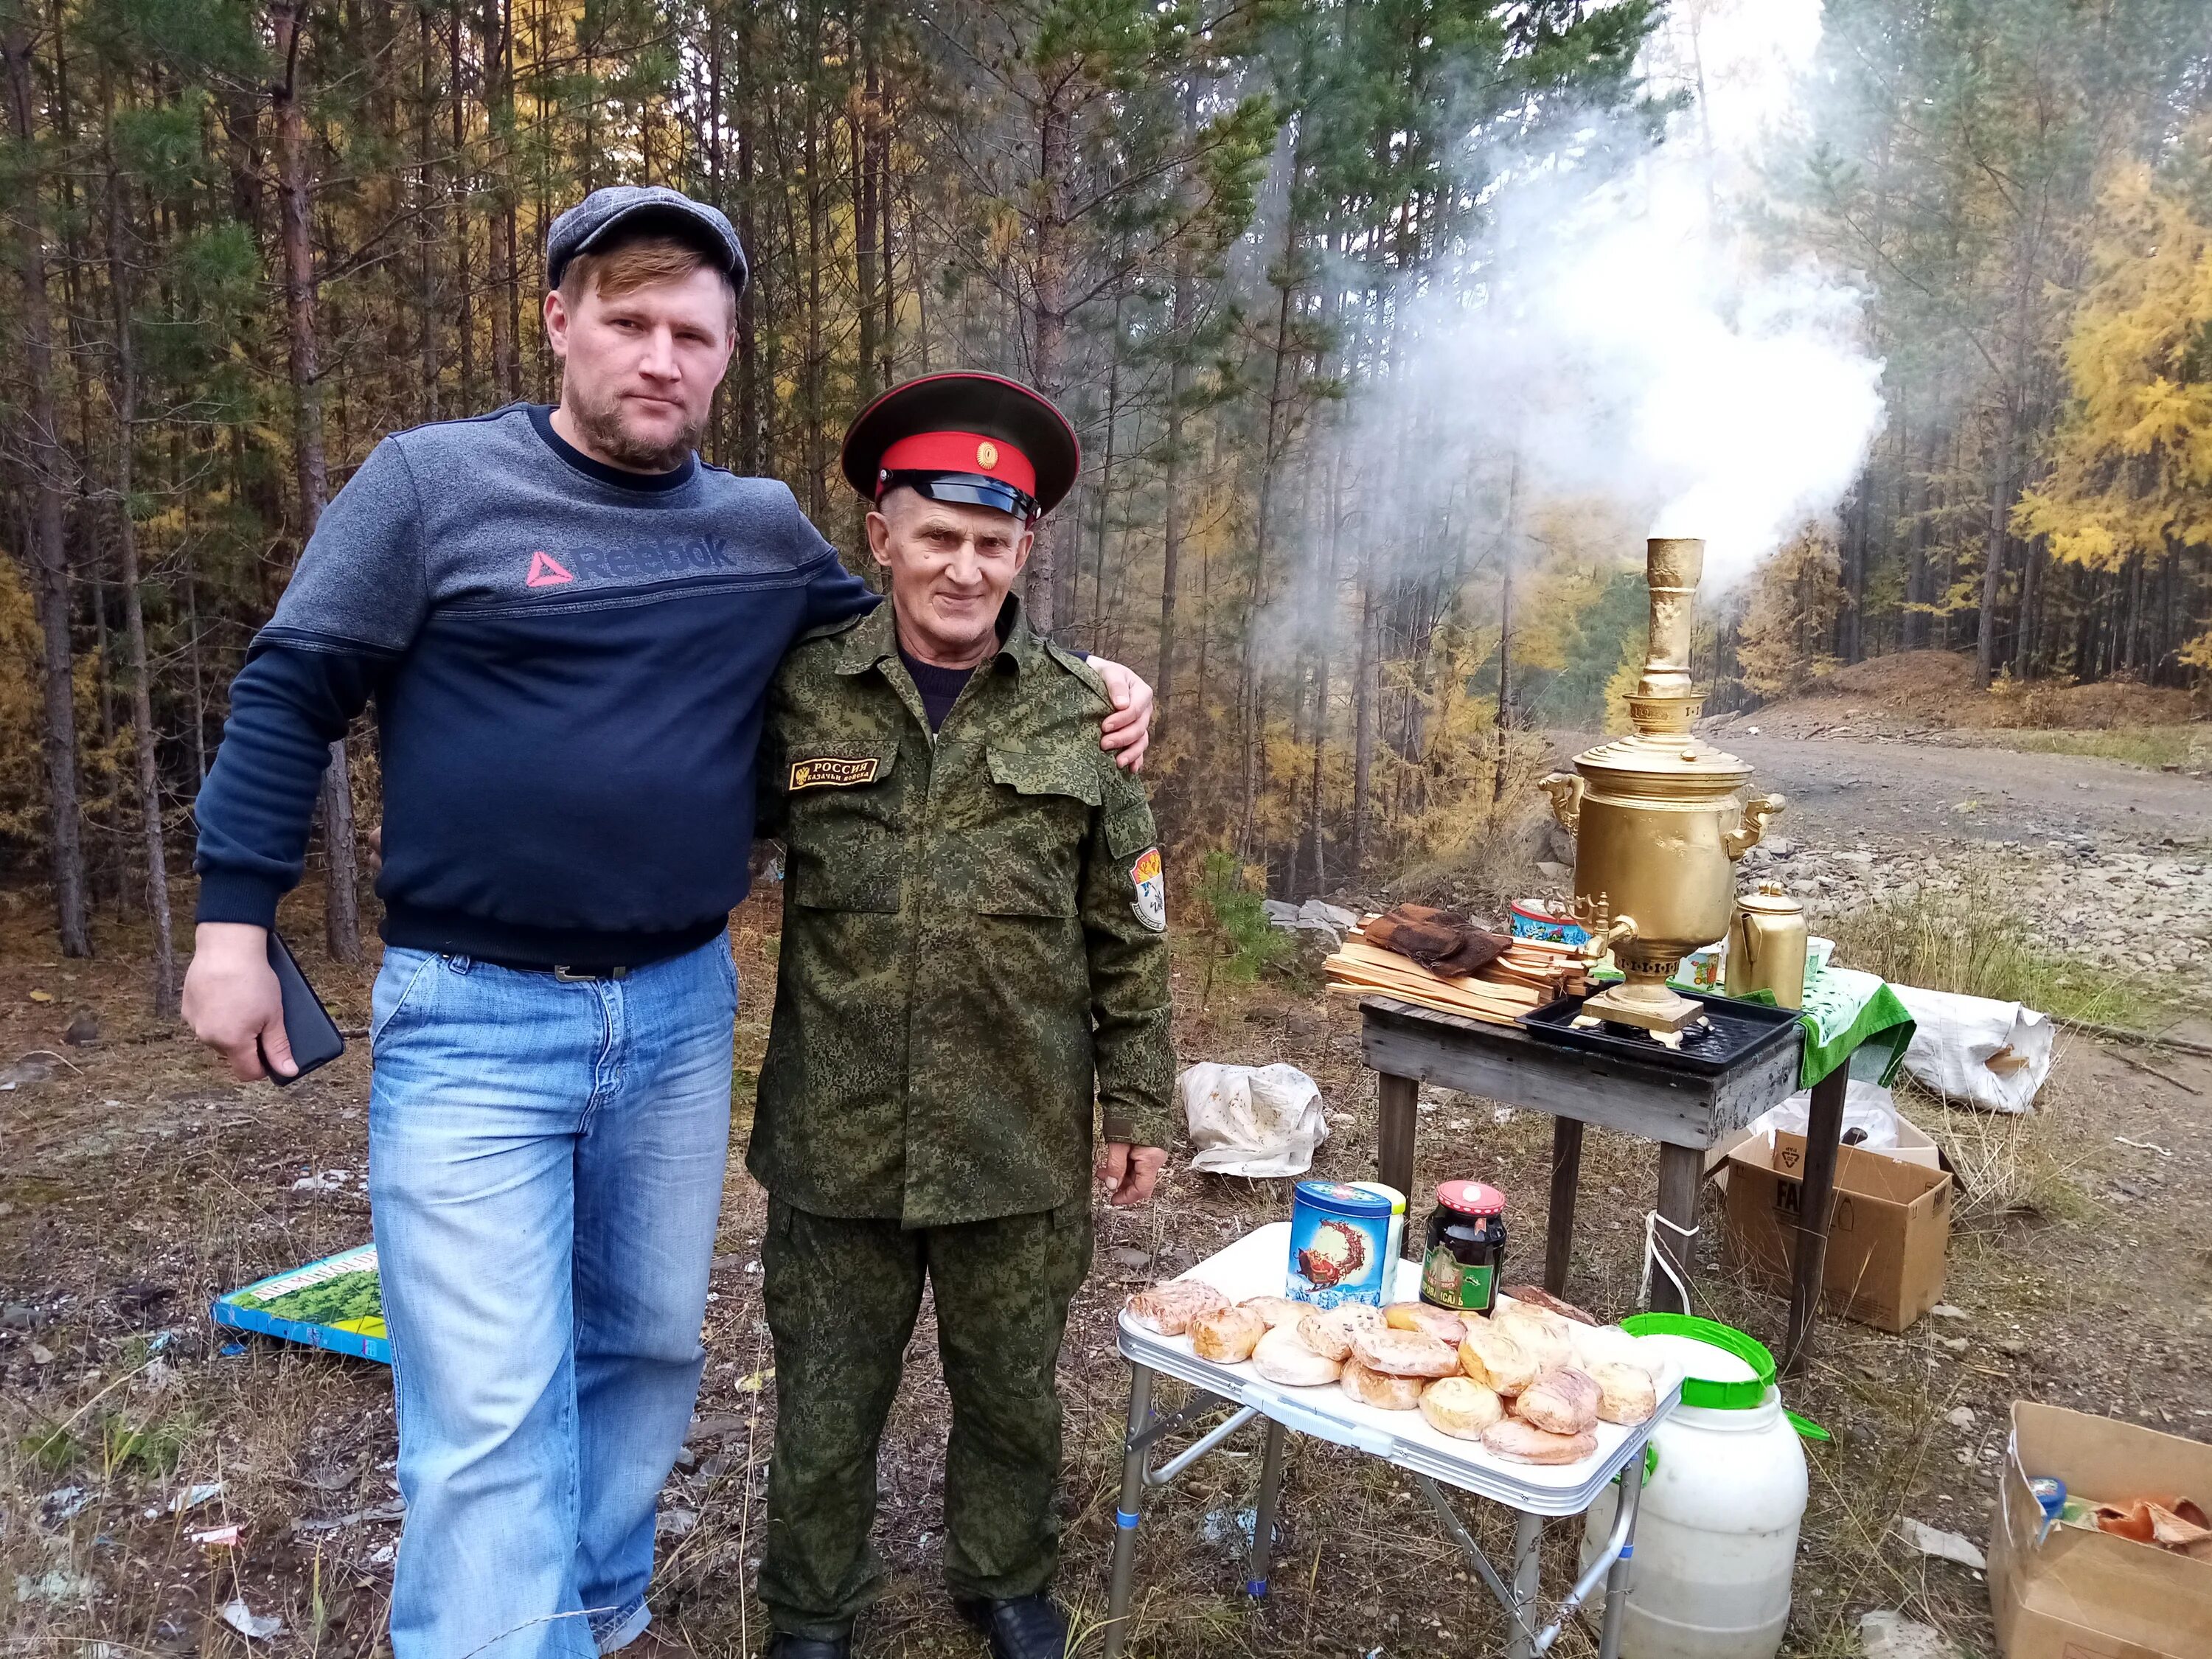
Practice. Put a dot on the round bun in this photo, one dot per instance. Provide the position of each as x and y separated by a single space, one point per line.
1460 1408
1625 1393
1329 1331
1170 1308
1227 1334
1405 1353
1517 1442
1495 1359
1279 1310
1537 1332
1604 1345
1379 1389
1440 1323
1279 1357
1562 1401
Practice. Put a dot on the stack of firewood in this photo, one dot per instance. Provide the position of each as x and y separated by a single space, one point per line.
1530 974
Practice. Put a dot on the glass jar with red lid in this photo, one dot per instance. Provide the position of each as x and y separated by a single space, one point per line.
1465 1250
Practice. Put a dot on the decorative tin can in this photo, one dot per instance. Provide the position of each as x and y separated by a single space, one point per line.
1531 918
1383 1189
1341 1243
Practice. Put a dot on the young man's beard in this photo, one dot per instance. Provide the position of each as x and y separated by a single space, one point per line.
603 424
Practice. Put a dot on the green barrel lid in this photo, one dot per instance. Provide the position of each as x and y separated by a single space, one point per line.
1703 1392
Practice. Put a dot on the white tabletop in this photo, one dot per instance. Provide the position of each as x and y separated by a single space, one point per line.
1257 1264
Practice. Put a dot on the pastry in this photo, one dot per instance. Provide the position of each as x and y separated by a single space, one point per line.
1439 1322
1277 1309
1517 1442
1328 1331
1460 1408
1605 1345
1170 1308
1227 1334
1539 1333
1626 1393
1377 1388
1563 1400
1493 1358
1280 1357
1550 1304
1405 1353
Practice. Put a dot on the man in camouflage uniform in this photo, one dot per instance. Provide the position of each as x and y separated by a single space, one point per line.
974 943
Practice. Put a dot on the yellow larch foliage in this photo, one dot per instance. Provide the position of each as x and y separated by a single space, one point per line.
2131 471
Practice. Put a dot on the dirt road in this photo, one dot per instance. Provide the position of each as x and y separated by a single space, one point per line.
1889 790
1896 787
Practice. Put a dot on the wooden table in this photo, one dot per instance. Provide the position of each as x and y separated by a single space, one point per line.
1685 1112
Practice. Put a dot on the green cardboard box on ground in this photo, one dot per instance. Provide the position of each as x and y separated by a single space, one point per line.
2083 1594
1888 1228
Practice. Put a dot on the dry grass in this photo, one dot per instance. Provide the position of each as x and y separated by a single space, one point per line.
2156 748
1491 863
1969 940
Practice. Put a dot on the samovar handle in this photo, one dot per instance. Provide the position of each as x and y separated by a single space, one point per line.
1565 789
1752 825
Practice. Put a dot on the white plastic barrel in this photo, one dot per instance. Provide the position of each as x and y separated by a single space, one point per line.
1716 1535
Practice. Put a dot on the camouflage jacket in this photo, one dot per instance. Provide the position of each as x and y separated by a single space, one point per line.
974 933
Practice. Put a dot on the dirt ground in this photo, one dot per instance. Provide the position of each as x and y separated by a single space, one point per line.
137 1183
1932 692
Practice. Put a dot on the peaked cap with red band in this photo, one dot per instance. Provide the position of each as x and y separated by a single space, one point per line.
964 437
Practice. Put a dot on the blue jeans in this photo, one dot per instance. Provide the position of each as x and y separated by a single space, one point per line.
545 1173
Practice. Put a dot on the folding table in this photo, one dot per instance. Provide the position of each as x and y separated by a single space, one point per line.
1256 1265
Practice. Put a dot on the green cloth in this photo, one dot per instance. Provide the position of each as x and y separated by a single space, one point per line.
1845 1010
974 933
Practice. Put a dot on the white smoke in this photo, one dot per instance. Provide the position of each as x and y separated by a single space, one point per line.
1622 345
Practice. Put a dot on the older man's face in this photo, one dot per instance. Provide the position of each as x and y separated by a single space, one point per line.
952 565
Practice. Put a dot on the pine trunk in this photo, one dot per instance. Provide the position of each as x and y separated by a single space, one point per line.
134 613
48 549
1047 331
505 300
750 461
1171 523
295 208
1364 690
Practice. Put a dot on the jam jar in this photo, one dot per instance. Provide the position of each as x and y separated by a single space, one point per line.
1466 1247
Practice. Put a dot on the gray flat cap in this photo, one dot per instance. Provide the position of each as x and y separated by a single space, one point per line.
592 221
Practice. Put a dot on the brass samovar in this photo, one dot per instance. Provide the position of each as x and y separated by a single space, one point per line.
1657 820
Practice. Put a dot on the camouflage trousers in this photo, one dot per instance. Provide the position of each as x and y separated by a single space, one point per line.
841 1298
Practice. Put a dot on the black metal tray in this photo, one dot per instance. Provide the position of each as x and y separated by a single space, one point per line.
1735 1031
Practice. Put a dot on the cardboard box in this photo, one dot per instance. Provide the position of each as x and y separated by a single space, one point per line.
1913 1146
2080 1594
1889 1226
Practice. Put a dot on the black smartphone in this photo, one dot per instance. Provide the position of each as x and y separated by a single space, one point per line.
308 1026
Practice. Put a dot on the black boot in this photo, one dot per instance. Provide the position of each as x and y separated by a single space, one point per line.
1026 1627
784 1645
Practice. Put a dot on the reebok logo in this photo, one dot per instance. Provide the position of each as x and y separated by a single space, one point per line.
639 559
545 571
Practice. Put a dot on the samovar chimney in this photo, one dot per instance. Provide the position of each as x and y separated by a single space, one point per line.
1657 818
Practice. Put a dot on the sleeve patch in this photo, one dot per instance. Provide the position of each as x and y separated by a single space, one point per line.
1151 904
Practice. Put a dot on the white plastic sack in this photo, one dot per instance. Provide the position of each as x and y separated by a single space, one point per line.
1985 1054
1868 1107
1252 1120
